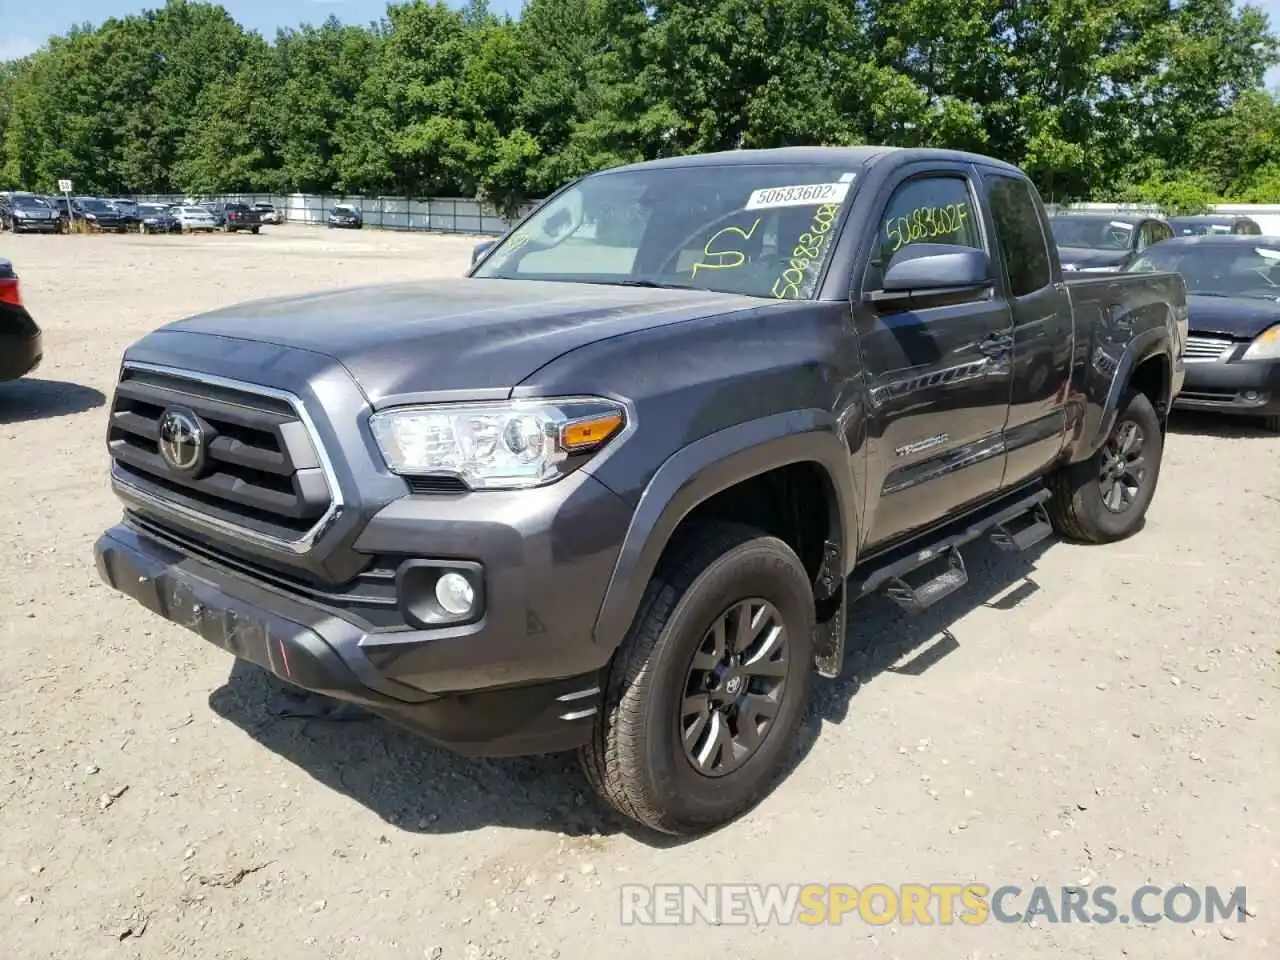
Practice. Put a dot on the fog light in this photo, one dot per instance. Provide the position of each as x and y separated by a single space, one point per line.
1251 396
455 594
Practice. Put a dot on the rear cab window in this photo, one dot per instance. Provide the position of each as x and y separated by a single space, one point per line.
1019 233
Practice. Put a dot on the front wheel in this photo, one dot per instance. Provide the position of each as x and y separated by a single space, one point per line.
1105 498
703 699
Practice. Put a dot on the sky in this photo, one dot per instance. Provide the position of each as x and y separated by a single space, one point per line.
25 31
22 33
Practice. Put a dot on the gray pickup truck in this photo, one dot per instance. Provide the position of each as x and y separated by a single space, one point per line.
617 489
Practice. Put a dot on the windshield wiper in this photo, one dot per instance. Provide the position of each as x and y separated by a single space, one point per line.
652 284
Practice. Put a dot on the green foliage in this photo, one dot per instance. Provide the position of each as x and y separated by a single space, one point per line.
1148 101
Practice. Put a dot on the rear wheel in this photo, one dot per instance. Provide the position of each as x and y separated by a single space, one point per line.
1272 423
254 230
703 699
1106 497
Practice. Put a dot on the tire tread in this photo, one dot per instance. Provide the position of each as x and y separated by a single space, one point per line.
610 760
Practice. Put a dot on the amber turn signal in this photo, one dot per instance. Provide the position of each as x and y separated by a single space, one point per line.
589 432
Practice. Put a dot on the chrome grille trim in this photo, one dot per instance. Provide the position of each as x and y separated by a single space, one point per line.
1206 349
201 521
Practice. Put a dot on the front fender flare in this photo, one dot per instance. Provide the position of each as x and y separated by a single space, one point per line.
704 468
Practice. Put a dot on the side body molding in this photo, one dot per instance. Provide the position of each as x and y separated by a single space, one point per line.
714 463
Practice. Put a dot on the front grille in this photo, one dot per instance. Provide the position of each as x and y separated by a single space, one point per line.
1205 349
262 473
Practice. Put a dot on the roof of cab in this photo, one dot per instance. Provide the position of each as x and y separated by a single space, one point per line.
853 156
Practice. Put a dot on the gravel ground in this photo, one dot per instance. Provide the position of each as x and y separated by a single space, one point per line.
1101 716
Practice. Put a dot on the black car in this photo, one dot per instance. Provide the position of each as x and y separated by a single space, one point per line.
1104 241
157 218
346 216
1215 225
1232 353
27 213
236 216
20 341
104 215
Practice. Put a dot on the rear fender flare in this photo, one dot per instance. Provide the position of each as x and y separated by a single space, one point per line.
714 463
1099 422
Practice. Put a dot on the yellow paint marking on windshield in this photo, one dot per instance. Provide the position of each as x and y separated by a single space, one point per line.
723 264
811 247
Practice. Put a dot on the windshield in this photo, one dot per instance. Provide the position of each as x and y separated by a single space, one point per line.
1092 233
29 203
344 211
1201 228
97 206
1225 270
195 211
759 230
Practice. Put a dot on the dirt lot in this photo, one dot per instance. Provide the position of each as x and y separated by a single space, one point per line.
1101 716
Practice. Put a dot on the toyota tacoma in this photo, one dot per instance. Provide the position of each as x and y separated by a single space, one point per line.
617 489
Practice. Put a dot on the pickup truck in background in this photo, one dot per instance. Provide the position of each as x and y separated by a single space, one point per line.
236 216
616 490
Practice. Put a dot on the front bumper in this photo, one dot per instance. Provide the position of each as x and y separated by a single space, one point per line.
317 649
1231 385
19 356
35 226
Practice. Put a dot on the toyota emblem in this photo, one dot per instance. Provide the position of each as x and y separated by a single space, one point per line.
181 441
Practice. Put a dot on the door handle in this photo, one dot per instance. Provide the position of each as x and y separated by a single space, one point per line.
996 345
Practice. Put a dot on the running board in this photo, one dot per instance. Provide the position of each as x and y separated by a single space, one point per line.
1022 532
1014 527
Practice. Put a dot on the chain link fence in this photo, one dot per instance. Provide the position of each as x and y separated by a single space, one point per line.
440 214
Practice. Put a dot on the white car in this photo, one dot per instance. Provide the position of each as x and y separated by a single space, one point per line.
194 218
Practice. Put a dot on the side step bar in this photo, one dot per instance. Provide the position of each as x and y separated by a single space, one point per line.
1013 528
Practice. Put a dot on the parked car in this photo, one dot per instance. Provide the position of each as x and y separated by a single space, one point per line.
239 216
267 212
1104 241
27 213
67 211
1213 225
104 216
812 364
157 218
21 347
126 206
215 210
1232 353
346 217
194 219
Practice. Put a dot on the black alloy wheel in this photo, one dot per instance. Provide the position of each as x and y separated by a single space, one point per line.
1124 468
736 682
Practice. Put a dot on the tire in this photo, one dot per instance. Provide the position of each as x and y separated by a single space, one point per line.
254 230
1271 423
1077 508
636 758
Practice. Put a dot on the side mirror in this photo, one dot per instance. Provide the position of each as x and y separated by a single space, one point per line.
481 249
930 269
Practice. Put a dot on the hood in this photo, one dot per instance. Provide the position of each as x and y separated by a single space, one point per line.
1084 257
464 334
1240 317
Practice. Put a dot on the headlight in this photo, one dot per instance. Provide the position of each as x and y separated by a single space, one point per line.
497 446
90 216
1266 346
